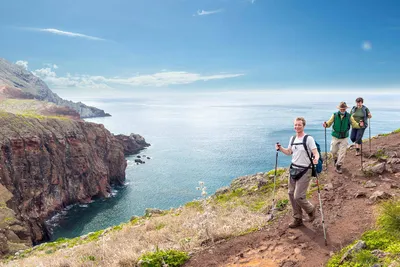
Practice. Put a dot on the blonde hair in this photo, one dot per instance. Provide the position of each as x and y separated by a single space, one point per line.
301 119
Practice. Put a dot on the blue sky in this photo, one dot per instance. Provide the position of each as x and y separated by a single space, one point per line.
110 48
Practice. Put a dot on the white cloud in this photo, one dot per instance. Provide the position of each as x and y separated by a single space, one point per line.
45 72
22 63
252 1
70 34
159 79
50 65
204 12
366 46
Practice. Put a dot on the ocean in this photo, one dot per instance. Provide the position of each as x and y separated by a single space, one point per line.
209 137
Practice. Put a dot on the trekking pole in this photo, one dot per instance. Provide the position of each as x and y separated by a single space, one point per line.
369 128
273 192
320 208
361 155
326 152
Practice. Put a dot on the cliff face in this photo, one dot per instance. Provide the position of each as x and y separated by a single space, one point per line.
47 164
14 76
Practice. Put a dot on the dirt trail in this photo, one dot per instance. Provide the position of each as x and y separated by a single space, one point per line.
346 218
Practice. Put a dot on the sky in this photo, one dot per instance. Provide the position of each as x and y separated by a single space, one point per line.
125 47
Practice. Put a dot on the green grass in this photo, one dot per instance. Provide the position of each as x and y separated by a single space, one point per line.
232 196
282 204
195 205
159 258
381 154
160 226
386 238
35 115
258 205
279 172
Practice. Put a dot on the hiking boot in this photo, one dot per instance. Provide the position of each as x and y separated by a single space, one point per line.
358 152
311 215
338 169
296 223
334 161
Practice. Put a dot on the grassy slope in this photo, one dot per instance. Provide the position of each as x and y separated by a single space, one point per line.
187 229
194 225
28 108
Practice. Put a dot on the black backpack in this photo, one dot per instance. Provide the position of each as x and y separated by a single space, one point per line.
318 167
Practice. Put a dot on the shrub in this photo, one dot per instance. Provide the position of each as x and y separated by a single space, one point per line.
173 258
390 218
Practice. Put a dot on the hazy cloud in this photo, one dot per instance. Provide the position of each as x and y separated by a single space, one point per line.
22 63
159 79
69 34
204 12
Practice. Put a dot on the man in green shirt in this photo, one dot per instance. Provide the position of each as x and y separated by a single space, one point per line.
341 122
361 114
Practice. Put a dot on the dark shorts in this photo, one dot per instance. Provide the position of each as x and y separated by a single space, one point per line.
356 135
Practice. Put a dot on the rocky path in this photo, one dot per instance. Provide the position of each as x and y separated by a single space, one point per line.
349 210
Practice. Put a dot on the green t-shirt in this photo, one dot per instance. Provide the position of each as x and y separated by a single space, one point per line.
359 114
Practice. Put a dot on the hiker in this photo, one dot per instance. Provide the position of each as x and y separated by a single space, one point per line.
300 172
361 114
341 121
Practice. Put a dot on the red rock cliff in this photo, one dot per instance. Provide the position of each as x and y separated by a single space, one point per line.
48 164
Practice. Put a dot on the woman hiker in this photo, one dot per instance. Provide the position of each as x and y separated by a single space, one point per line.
300 172
361 114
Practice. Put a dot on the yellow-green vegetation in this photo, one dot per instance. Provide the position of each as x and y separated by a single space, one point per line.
28 108
51 247
386 134
381 154
35 115
254 198
196 205
279 172
282 204
173 258
384 240
175 232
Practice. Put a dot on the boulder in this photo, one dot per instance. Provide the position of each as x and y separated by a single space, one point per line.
357 247
151 212
369 184
222 190
374 167
378 195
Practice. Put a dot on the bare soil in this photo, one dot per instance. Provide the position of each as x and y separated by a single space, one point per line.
346 218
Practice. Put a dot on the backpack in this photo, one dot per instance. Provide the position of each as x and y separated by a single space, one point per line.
318 167
364 109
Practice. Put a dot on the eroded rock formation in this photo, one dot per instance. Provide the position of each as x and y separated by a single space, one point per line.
47 164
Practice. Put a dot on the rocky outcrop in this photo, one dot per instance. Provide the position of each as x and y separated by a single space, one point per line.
47 164
14 76
132 144
14 233
385 160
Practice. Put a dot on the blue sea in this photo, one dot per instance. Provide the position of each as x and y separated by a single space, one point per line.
209 137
